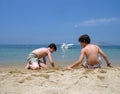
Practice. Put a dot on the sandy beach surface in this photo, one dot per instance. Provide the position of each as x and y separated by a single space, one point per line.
15 80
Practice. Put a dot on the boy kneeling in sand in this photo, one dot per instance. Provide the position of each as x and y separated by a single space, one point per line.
92 54
34 57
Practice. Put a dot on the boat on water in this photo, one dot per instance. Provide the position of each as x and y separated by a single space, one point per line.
67 46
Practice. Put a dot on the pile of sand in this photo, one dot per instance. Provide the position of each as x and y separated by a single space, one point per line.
60 81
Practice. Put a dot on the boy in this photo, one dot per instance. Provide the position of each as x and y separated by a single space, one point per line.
34 57
91 52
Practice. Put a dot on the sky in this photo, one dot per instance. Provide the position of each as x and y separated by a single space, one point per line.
58 21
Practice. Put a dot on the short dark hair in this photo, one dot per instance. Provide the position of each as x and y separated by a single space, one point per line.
84 39
52 45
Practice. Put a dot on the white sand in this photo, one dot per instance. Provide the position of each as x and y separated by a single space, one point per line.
59 81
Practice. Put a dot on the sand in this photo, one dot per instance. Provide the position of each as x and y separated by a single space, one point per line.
59 81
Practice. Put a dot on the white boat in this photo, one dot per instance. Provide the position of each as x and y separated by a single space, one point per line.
67 46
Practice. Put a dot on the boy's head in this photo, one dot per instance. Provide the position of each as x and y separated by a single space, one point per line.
52 46
84 39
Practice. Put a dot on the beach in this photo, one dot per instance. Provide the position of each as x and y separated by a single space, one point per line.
17 80
14 79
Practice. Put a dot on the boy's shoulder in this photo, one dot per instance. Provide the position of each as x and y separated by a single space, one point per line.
91 46
42 49
95 45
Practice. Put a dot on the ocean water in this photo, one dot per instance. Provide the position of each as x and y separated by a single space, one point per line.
17 54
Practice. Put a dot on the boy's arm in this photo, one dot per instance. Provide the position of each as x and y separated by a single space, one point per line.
50 59
44 60
79 61
105 57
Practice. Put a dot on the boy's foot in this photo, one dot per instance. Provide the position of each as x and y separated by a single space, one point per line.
27 66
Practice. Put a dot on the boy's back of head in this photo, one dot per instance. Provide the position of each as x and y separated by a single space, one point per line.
84 39
52 45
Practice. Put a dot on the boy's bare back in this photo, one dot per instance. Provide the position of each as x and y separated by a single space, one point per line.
91 51
41 52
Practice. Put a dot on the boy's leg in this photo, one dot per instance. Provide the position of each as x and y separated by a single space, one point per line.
34 65
27 66
42 65
85 64
33 62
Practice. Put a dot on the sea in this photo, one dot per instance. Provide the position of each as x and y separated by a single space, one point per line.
17 54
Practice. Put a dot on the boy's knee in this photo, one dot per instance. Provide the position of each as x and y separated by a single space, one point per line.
35 66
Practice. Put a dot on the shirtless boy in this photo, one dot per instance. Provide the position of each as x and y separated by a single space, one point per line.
34 57
92 54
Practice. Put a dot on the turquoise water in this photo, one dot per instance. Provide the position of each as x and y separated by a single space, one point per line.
16 54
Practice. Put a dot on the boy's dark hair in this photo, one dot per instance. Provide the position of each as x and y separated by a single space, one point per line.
84 39
52 45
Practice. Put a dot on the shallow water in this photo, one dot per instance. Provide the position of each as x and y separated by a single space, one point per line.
16 54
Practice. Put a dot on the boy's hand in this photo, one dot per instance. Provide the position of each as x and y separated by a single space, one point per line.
109 65
52 64
68 67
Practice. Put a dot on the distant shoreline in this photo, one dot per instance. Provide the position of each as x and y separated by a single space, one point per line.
77 44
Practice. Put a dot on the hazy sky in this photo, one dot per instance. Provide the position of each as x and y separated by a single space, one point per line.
58 21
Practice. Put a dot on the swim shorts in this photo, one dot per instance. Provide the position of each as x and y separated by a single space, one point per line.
86 65
33 58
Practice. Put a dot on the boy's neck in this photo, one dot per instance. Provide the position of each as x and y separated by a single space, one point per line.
86 44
